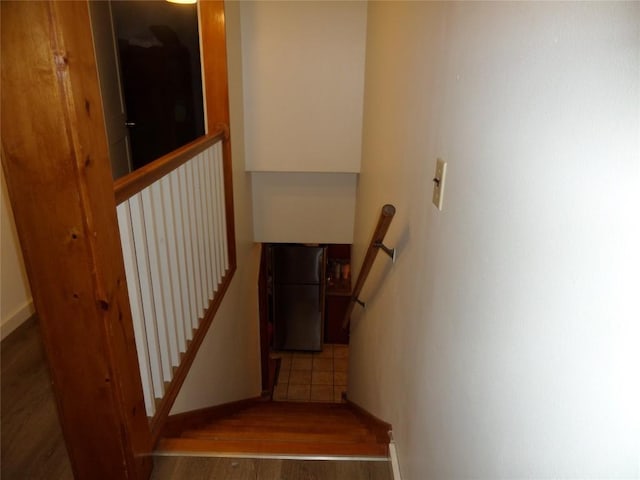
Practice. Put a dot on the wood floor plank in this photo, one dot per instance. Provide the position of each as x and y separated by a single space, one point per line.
31 439
300 470
194 468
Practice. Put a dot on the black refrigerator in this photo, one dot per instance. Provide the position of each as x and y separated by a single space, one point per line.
298 296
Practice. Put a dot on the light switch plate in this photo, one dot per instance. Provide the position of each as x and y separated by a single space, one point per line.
438 183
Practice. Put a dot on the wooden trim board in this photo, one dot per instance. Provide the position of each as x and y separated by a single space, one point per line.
381 427
188 420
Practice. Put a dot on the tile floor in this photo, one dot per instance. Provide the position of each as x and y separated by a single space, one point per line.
313 377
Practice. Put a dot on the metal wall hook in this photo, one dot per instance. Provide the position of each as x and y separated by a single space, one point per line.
389 251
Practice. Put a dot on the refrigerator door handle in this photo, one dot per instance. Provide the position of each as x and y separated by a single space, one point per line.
321 283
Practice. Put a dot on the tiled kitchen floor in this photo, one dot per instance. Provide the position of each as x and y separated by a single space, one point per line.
313 377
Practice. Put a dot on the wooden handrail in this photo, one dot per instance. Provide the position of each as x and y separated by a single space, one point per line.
386 215
127 186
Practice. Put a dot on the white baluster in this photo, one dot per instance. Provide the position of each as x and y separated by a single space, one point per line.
146 293
211 208
156 282
223 214
168 201
179 205
135 300
193 229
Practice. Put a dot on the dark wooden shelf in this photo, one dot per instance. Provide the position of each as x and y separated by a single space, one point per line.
338 294
341 288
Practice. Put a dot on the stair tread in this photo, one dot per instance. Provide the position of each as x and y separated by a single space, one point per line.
281 428
287 419
298 406
284 428
337 437
295 411
294 438
370 449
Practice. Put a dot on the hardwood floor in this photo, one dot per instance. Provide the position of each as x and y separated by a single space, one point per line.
32 446
198 468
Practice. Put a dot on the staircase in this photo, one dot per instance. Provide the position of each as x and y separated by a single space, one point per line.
281 429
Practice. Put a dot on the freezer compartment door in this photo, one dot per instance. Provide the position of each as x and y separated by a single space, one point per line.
297 314
297 264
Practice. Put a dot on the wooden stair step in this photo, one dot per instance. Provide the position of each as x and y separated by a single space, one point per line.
282 428
291 407
323 437
325 413
275 421
311 429
323 408
294 413
300 407
272 448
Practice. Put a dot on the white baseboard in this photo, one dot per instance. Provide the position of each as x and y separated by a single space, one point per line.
16 318
395 465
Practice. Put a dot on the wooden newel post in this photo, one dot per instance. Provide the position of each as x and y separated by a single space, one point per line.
54 155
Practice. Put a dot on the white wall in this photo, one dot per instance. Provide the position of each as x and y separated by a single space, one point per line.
16 304
303 66
505 341
303 85
304 207
227 366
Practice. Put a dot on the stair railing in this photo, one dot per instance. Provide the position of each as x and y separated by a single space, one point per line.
386 215
177 243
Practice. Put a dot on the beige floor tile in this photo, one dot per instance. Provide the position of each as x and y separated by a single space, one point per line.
285 364
299 392
308 376
322 364
340 365
280 392
283 376
300 377
302 354
278 354
340 378
302 363
340 351
327 352
322 393
322 378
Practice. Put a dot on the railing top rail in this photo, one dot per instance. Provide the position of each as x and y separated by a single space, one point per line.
386 215
127 186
